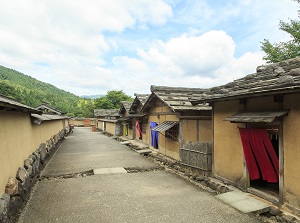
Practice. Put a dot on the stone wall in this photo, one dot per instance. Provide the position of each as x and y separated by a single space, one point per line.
18 188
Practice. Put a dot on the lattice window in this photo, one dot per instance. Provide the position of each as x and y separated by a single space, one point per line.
144 128
173 133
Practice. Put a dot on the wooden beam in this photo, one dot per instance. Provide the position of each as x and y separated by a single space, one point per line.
196 117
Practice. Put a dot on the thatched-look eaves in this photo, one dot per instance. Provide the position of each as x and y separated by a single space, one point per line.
177 98
277 78
106 112
9 104
138 102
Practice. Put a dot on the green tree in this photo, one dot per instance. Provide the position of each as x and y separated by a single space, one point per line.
103 103
112 100
284 50
88 110
8 90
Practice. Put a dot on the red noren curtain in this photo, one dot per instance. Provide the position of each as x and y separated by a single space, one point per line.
138 129
259 155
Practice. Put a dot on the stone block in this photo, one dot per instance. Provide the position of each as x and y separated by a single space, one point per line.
4 206
43 153
36 167
22 174
29 171
15 204
275 211
285 80
28 162
13 187
32 157
294 72
26 184
200 178
36 153
5 197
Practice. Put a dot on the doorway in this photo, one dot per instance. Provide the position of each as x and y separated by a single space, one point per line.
154 135
261 150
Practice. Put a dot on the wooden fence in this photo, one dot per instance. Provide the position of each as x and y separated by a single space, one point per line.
198 156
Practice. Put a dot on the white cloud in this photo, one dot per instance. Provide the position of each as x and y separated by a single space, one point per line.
195 55
196 61
200 54
89 47
62 42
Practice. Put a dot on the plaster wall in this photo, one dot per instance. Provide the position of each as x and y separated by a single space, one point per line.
228 151
111 128
291 144
262 103
100 125
19 138
196 130
160 113
130 133
77 122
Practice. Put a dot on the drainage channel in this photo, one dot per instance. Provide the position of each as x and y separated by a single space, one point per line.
99 171
68 175
144 169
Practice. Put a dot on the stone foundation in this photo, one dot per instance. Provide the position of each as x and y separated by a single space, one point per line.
18 187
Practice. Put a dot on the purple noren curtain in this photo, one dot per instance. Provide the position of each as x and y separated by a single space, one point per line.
154 135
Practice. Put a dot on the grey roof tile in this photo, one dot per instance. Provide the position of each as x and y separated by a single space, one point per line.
275 78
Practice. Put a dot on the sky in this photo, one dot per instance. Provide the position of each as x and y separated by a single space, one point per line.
91 47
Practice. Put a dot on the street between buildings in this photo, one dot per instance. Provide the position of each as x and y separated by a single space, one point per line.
86 181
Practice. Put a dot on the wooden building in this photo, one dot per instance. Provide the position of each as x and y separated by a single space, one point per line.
82 122
137 118
171 120
107 121
126 120
256 124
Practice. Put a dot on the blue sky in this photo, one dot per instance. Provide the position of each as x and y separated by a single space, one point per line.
90 47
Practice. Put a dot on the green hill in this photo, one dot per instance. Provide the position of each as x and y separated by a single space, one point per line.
33 92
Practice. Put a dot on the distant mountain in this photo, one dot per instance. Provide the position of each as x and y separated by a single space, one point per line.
33 92
92 96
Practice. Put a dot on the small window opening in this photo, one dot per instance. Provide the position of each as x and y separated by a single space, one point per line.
173 133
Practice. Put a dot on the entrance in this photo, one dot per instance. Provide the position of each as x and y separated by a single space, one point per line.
261 150
154 135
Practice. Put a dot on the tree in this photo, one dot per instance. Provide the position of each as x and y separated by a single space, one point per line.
112 100
103 103
284 50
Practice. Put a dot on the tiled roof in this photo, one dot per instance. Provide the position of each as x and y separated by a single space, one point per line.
139 99
257 116
48 117
43 107
142 97
277 78
106 112
13 105
125 106
177 98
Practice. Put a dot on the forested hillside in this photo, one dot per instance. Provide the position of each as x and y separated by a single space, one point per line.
33 92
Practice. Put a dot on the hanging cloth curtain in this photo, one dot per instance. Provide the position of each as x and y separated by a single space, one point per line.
154 134
138 129
260 155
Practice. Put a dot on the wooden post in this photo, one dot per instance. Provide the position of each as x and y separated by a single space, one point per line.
133 128
281 164
213 139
